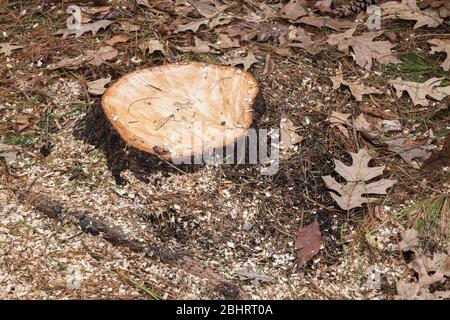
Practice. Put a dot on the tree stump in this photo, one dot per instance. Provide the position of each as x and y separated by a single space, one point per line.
182 110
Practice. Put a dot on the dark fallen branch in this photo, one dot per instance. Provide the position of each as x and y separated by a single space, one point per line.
96 227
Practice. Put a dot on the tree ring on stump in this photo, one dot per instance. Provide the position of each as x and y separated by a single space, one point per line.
181 110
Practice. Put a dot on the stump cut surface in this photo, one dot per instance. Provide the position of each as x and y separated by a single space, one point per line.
180 110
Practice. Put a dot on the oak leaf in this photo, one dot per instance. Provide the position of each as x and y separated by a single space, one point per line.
320 22
7 48
153 46
358 175
408 10
364 48
324 5
93 57
97 87
356 87
441 45
288 135
93 27
199 47
419 91
192 26
118 39
247 61
294 9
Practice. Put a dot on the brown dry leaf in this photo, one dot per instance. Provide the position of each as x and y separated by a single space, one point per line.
320 22
193 26
408 150
7 48
376 112
93 57
153 46
440 159
307 243
408 10
226 42
269 66
441 45
97 57
357 176
118 39
127 26
341 121
410 240
440 265
324 6
247 61
247 273
199 47
87 27
8 152
96 10
97 87
356 87
21 123
294 9
364 47
143 3
297 37
419 91
205 9
288 135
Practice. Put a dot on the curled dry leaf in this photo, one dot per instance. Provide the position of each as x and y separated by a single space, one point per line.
321 22
294 9
341 121
247 61
7 48
409 150
408 10
8 152
307 243
441 45
205 9
118 39
419 91
247 273
199 47
153 46
356 87
97 87
358 175
364 48
93 57
410 240
192 26
127 26
269 67
324 6
93 27
288 135
440 159
21 123
101 55
226 42
429 271
376 112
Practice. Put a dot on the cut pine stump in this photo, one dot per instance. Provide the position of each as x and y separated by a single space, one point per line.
152 114
177 111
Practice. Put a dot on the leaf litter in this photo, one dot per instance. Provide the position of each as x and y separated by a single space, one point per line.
287 41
